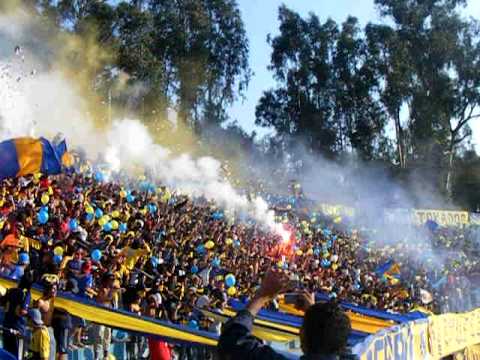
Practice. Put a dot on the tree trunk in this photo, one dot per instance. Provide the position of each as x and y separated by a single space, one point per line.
449 181
400 141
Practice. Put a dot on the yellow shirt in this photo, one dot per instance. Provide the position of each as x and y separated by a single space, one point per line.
40 343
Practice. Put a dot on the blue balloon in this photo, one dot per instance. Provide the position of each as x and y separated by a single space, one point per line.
217 215
130 198
152 208
73 225
57 259
230 280
154 260
44 208
42 217
107 227
98 213
194 269
236 243
316 251
201 249
122 227
89 217
216 262
23 258
96 255
99 176
193 324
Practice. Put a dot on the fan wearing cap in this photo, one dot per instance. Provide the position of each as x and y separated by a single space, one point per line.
40 342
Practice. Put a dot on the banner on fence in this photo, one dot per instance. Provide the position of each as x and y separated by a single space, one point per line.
450 333
403 342
441 217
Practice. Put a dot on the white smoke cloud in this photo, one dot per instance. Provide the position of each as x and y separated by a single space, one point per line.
44 103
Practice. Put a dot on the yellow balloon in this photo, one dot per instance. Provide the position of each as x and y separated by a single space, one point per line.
337 220
89 210
232 291
58 251
229 241
114 224
299 252
209 245
102 221
50 191
45 199
116 214
280 264
123 194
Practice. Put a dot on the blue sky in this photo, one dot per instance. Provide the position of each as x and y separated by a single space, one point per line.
260 17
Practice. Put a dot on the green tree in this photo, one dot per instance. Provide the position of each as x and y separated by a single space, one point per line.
428 61
208 49
327 90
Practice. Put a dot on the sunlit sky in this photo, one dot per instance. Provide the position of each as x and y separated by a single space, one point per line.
261 18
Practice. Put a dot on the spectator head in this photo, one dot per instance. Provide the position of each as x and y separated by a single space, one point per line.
325 329
50 290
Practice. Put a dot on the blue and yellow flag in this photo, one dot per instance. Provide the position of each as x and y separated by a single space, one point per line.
25 156
389 268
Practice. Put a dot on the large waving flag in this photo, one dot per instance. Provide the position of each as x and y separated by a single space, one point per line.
25 156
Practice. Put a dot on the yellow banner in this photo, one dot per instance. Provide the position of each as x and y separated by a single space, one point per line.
450 333
441 217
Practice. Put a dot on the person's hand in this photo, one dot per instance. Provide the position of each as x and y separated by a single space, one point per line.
305 299
273 284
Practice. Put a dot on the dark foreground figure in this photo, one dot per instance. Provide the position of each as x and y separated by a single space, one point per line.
323 335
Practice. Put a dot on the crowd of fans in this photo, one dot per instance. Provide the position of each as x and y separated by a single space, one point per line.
145 248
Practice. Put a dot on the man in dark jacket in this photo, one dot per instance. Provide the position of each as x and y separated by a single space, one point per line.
323 335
